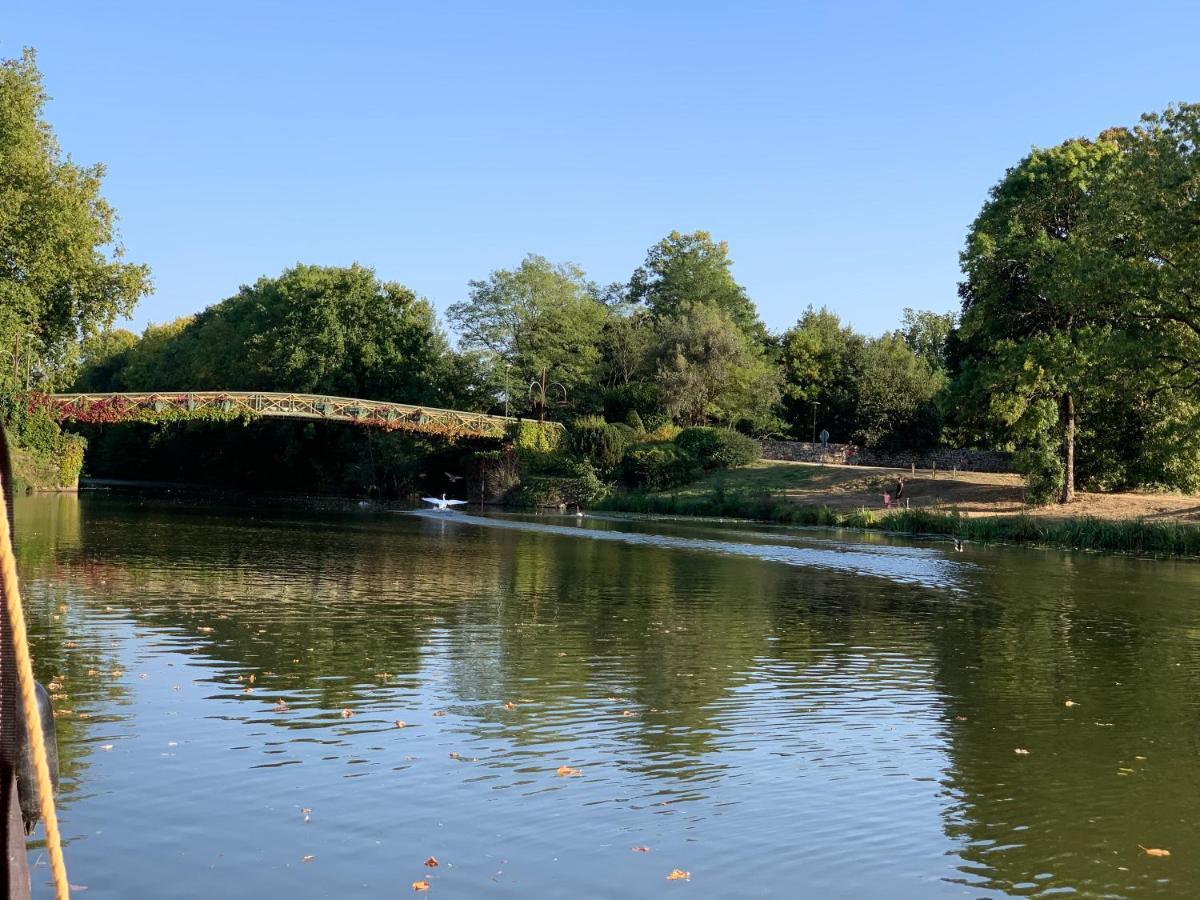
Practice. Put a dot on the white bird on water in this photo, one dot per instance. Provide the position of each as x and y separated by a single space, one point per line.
442 502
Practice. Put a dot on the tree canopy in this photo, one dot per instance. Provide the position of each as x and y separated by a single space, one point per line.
62 274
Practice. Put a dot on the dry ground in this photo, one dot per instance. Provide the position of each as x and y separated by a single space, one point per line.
971 493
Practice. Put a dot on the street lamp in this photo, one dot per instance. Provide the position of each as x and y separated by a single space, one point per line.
537 393
816 403
507 367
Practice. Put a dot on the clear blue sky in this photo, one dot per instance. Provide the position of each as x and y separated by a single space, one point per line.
842 149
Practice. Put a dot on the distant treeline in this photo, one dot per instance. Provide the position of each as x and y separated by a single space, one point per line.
1076 343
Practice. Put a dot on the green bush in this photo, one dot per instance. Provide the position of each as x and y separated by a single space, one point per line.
580 486
718 448
1043 471
594 439
634 421
658 466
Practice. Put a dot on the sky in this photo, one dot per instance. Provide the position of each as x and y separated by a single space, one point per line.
842 149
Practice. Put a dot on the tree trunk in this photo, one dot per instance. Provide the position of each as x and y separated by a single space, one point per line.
1067 417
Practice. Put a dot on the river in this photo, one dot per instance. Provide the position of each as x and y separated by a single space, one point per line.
284 702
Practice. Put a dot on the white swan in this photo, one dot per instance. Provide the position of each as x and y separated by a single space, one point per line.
442 502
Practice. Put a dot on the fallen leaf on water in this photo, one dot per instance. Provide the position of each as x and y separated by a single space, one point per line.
421 885
280 706
69 644
1070 703
510 705
400 723
248 690
117 673
306 809
628 712
1021 751
251 678
1139 757
439 713
432 862
308 858
568 772
1154 851
347 713
960 718
679 875
93 672
454 755
640 849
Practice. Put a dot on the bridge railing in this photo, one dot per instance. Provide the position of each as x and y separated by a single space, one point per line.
152 406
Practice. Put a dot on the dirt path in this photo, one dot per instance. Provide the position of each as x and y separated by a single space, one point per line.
973 494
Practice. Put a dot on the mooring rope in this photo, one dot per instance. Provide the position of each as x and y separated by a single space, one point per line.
29 703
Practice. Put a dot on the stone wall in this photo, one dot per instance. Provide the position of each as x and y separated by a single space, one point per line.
848 454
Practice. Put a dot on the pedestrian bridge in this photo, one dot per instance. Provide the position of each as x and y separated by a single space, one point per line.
170 406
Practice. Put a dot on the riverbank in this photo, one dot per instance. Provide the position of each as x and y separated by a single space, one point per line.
977 507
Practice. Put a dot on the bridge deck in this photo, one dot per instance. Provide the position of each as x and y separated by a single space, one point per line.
145 406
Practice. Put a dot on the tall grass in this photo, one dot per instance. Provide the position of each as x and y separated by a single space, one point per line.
1136 536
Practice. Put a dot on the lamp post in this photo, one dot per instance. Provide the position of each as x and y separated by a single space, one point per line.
816 403
537 393
507 368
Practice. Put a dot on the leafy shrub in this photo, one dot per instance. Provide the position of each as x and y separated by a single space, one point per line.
659 465
1043 471
718 448
634 421
604 444
580 486
662 432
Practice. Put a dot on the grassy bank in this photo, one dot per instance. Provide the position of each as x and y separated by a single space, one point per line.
1136 536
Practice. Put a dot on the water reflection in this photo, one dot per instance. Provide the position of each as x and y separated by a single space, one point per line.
747 702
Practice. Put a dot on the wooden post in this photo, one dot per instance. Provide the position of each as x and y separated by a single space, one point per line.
935 470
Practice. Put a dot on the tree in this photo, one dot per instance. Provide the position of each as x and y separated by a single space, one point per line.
896 394
683 271
710 371
537 316
927 334
61 275
1035 324
820 361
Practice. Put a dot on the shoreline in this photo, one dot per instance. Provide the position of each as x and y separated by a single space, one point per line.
1129 537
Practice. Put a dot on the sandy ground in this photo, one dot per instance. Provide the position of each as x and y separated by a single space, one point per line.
975 494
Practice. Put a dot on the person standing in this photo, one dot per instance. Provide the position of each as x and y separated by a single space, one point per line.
899 492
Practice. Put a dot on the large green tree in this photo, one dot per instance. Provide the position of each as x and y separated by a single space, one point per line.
710 371
683 271
1037 327
534 317
61 271
820 361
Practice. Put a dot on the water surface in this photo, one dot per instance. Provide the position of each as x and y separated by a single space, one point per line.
778 712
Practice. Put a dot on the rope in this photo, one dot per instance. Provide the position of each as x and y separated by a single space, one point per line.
33 719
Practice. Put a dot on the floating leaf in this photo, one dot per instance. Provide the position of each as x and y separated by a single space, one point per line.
1021 751
1069 703
439 713
308 858
400 723
679 875
568 772
1154 851
421 885
640 849
281 706
510 705
347 713
432 862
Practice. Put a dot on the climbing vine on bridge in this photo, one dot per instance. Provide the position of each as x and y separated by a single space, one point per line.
115 410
